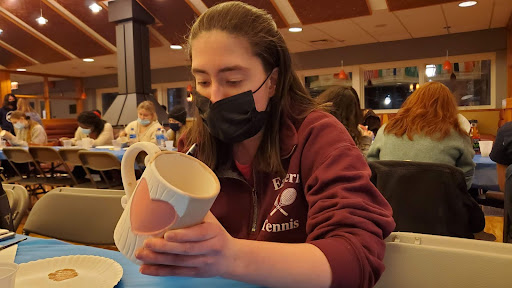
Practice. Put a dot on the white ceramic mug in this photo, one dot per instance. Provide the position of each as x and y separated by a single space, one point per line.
175 191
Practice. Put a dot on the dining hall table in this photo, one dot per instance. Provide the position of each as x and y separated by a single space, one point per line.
485 176
36 248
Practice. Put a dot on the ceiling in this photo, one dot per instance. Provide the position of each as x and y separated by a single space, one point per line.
74 32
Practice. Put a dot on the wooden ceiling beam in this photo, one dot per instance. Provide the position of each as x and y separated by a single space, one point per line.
38 74
18 53
64 13
20 23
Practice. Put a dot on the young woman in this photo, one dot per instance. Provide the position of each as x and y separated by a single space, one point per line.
146 125
343 103
28 132
177 122
25 107
92 126
426 129
9 105
296 207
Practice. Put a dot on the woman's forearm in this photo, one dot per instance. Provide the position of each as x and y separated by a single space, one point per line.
279 264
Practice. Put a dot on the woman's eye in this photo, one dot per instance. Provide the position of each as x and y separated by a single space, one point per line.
203 83
234 82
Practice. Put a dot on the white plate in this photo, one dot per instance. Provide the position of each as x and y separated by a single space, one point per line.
93 271
105 147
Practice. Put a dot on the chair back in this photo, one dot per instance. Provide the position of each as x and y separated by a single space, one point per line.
72 215
70 155
45 154
18 200
426 261
100 161
18 155
429 198
507 219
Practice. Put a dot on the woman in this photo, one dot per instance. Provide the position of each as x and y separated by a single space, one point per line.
177 122
25 107
28 132
146 126
9 105
92 126
262 134
426 129
343 103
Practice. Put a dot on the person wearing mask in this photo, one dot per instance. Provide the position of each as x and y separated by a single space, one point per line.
177 122
426 129
92 126
97 112
9 105
146 126
343 103
25 107
262 134
28 132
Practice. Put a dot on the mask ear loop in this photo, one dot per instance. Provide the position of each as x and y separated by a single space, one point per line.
268 76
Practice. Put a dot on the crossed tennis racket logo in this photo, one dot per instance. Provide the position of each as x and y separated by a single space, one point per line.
286 198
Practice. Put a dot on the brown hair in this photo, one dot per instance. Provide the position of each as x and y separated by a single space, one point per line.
148 106
431 110
343 103
24 106
17 115
290 99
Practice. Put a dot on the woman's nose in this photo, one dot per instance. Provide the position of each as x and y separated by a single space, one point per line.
216 93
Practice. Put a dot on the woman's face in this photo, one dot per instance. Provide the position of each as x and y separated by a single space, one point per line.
144 114
85 126
11 98
20 120
223 65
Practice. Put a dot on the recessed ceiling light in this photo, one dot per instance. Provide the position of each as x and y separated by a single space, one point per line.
21 69
467 3
95 8
1 31
41 20
176 47
295 29
88 60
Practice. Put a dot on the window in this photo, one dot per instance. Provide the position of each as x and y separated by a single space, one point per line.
388 88
469 81
179 96
317 84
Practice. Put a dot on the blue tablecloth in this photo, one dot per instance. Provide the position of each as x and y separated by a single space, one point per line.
485 176
35 248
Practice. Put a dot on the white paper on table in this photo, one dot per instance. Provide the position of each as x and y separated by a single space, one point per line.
8 254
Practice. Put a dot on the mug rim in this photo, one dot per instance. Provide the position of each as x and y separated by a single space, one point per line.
204 166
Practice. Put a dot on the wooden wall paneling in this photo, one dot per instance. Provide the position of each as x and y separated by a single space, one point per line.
46 95
5 84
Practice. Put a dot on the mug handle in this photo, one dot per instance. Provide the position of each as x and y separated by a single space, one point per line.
128 164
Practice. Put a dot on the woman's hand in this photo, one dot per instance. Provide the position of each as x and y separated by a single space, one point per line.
62 140
204 250
122 134
366 132
8 135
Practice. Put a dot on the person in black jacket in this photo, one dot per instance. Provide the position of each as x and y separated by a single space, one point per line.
9 105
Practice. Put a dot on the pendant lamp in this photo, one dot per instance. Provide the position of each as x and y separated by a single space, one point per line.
342 75
447 65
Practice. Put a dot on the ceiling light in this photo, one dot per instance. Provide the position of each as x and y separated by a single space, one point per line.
467 3
295 29
14 85
176 47
21 69
41 20
95 8
88 60
1 31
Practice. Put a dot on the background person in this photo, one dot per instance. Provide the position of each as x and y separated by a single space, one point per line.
28 132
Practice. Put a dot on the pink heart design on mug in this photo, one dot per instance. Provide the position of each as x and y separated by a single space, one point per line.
148 216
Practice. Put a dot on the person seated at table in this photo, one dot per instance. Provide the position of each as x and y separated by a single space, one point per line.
9 105
25 107
97 112
146 125
28 132
343 103
273 150
426 129
177 122
90 125
371 120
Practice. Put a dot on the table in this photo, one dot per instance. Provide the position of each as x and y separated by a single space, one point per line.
485 176
35 248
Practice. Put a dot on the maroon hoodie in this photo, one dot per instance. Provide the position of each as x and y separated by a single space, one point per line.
326 199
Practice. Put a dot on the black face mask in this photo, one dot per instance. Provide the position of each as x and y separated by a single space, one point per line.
232 119
174 126
11 105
